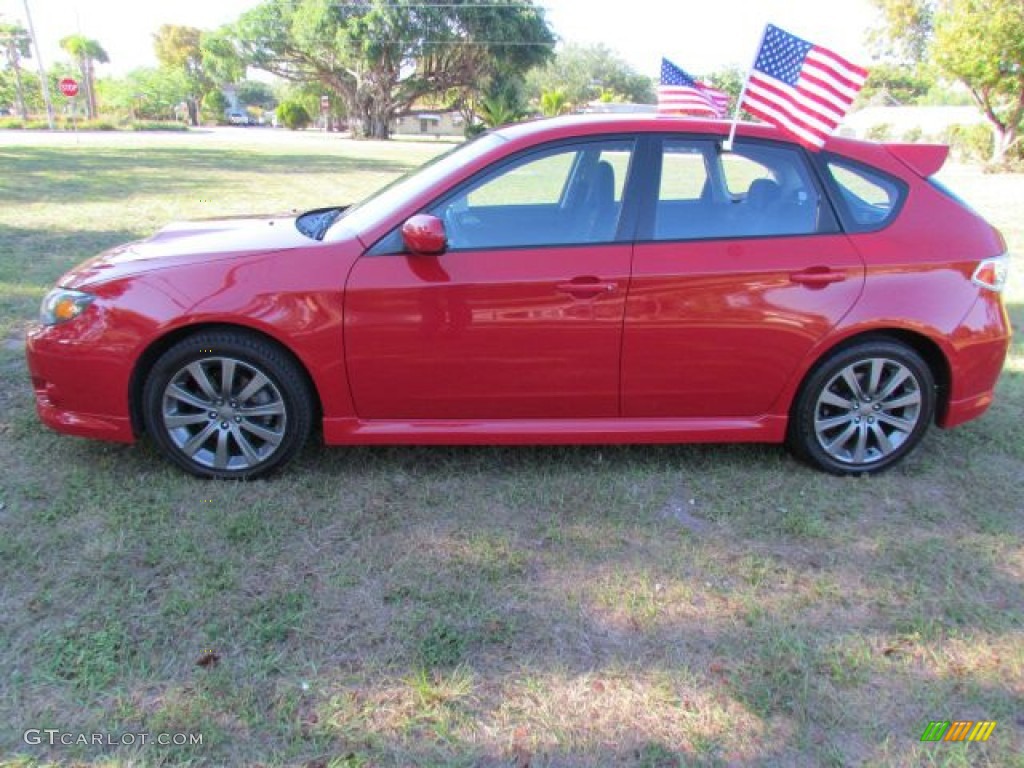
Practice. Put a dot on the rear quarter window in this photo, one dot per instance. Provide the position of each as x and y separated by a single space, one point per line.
866 199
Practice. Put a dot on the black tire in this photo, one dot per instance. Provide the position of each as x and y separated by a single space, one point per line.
241 428
863 408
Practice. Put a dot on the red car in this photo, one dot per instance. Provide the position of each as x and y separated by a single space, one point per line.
597 279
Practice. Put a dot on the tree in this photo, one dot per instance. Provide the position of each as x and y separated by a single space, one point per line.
906 31
293 115
729 80
207 60
889 83
381 56
29 89
220 61
215 107
16 46
253 93
584 73
502 103
180 49
86 53
145 93
981 44
553 103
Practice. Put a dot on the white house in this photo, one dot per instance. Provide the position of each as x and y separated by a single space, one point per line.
929 122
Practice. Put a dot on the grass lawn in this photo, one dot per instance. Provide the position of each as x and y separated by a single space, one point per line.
646 606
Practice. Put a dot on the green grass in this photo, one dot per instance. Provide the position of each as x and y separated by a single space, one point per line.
643 606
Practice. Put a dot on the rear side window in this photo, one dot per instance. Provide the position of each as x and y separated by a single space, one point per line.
868 198
756 190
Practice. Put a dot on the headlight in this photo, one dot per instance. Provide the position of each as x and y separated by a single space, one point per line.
61 305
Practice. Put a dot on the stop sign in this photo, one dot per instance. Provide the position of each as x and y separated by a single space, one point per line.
69 87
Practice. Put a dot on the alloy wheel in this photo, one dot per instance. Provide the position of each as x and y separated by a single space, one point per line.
867 411
224 413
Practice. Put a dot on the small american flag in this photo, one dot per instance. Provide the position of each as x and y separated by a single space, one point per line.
804 89
680 94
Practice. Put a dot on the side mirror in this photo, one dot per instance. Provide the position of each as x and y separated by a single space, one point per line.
424 235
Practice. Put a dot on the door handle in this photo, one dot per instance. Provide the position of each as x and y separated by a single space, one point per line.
586 287
817 277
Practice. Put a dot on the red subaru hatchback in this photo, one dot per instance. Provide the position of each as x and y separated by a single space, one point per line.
576 280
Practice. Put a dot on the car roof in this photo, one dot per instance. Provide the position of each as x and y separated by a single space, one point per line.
569 126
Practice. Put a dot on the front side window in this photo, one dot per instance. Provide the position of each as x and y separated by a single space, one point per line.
567 195
754 190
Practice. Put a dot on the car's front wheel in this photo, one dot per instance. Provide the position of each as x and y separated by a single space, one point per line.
227 404
864 408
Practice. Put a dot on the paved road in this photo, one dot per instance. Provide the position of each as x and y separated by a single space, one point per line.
225 136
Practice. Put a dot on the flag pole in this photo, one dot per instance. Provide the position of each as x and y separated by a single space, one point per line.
727 144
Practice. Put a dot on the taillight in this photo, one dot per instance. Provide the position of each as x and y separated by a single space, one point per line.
992 273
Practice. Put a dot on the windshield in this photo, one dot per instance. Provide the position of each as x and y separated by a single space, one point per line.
387 198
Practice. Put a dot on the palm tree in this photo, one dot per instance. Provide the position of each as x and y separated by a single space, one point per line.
14 40
554 103
87 53
501 104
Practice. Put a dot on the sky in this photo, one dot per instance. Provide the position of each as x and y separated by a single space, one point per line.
700 37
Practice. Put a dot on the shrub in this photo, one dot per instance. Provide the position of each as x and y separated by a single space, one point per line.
156 125
913 135
292 115
214 108
970 143
880 132
95 125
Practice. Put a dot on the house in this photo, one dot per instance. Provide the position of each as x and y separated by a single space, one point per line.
616 107
901 122
429 122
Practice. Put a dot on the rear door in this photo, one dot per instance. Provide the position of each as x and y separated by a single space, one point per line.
739 270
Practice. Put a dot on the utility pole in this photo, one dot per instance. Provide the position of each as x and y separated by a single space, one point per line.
42 70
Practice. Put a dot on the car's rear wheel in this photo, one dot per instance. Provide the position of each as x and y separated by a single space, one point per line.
864 408
227 404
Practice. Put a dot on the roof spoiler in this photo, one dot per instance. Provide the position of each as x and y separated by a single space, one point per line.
923 159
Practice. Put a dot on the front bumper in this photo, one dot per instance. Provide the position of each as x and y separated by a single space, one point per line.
80 386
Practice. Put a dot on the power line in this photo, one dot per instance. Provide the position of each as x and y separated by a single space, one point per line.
370 6
462 42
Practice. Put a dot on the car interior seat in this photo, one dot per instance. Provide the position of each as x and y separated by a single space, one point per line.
763 201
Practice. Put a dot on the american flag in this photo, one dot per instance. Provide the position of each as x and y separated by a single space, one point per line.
802 88
679 93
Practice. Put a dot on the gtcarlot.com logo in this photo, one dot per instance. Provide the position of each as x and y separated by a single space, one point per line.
55 737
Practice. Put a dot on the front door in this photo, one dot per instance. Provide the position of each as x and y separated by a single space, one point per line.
521 317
